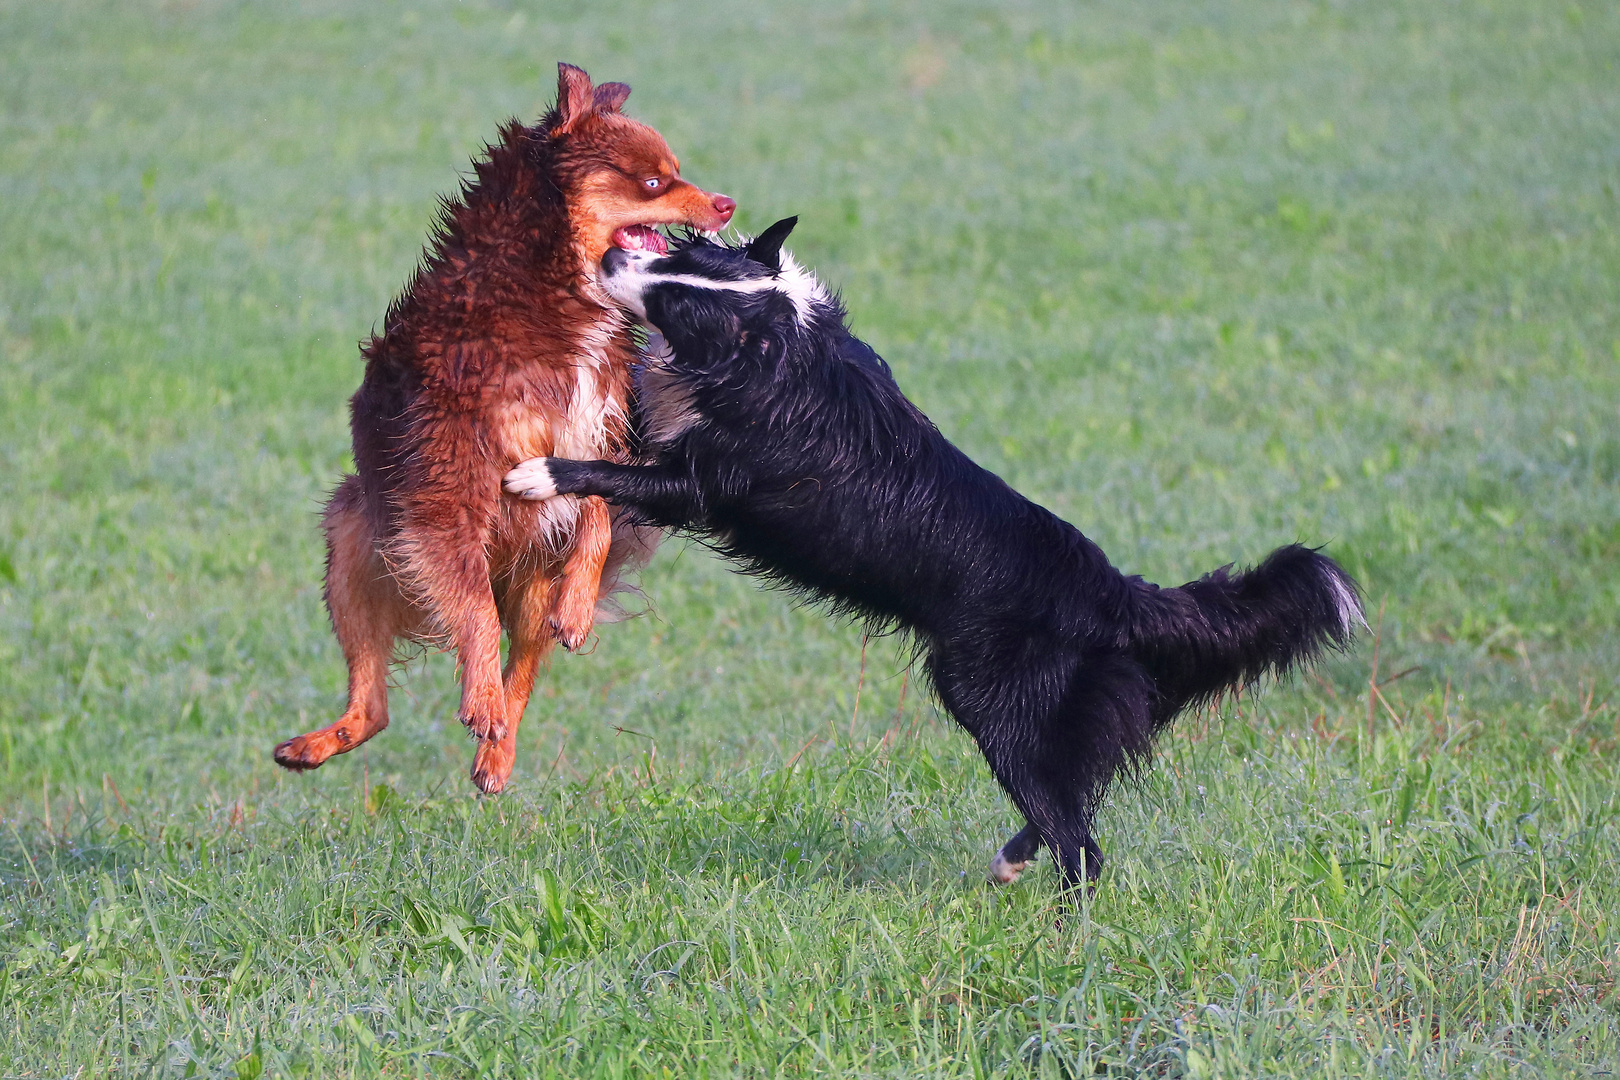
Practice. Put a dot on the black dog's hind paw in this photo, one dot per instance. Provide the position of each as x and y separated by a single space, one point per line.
1004 871
1015 855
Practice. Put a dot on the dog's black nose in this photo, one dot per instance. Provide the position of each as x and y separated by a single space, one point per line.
613 261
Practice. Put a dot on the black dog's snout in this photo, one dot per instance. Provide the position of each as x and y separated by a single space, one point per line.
614 260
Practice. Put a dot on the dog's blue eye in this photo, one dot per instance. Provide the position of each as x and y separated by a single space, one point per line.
653 182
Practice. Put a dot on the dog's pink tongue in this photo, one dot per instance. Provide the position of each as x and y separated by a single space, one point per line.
640 238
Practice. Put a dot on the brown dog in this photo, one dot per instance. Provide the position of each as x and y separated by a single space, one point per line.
502 348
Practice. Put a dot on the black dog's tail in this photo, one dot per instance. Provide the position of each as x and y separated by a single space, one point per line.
1226 630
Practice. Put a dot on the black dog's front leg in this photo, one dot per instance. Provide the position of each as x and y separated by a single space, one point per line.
658 492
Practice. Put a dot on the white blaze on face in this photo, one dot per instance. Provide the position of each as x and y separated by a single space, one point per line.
628 284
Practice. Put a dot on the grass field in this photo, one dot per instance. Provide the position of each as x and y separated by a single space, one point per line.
1202 277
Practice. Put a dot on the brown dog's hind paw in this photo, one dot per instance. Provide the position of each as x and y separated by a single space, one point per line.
311 749
304 752
492 766
290 755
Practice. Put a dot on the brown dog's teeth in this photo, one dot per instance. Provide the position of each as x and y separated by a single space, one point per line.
641 238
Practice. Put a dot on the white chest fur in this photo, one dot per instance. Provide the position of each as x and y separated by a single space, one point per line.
530 425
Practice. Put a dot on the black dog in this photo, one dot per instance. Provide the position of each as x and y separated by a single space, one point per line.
784 440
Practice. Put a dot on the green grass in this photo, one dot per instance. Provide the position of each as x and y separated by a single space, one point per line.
1204 278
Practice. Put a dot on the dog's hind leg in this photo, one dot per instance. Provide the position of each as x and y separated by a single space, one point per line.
1015 855
575 610
443 546
1014 702
1059 807
526 608
1057 753
368 613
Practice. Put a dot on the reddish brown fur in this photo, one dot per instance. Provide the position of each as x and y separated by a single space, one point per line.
500 349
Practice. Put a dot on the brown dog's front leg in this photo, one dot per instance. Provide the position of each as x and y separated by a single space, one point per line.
575 610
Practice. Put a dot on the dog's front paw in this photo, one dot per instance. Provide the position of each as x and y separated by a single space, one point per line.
531 480
571 631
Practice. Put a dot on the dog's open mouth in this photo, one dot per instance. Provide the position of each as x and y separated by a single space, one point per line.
641 238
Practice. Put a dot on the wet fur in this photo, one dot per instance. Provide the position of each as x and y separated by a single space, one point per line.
500 348
801 459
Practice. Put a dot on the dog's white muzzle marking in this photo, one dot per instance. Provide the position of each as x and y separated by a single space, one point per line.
531 480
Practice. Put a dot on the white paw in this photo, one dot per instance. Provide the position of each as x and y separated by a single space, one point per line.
1003 872
531 480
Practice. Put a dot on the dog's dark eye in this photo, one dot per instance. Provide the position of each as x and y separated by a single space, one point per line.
653 183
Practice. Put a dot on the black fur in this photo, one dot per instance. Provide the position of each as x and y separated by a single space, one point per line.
807 464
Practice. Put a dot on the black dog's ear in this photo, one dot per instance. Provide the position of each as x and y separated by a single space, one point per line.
766 248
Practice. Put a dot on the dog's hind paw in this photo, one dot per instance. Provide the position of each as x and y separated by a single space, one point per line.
1003 872
301 753
531 480
308 751
492 765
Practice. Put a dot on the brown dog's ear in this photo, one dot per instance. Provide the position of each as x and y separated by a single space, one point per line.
575 97
611 95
